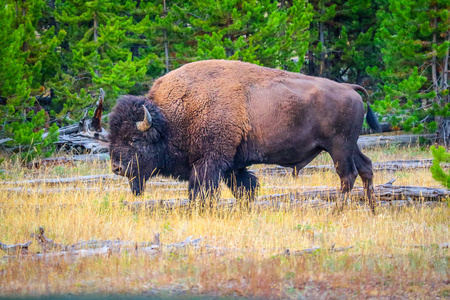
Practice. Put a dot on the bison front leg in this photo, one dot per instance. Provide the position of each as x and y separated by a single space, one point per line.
346 186
345 167
204 184
137 185
243 185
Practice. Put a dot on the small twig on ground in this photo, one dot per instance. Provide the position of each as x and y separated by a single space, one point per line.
390 182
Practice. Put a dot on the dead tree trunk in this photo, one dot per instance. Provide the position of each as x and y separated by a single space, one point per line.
443 131
90 135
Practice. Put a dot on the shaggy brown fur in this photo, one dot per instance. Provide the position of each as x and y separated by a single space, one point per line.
214 118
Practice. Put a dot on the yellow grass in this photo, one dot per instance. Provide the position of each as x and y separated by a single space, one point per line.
251 265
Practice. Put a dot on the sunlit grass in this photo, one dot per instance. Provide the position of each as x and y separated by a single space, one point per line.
250 264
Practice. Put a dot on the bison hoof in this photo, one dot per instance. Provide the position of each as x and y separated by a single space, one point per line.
136 188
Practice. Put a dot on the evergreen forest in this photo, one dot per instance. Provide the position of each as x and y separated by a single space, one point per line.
55 55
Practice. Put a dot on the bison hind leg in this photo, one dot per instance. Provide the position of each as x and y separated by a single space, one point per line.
364 166
243 184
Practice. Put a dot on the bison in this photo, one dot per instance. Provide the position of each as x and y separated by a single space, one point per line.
209 120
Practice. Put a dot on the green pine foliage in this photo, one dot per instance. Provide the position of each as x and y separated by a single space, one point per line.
414 38
99 53
167 33
30 143
23 58
341 42
260 32
440 155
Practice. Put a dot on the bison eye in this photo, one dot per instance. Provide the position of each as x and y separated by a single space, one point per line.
130 143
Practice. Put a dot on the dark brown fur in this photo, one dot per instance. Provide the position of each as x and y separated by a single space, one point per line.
212 119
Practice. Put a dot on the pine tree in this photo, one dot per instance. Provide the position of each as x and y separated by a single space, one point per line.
98 51
323 15
414 38
168 33
254 31
22 55
358 21
14 86
440 156
341 42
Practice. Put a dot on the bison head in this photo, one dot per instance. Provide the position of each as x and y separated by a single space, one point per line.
137 140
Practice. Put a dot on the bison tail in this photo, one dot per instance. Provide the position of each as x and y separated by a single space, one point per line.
358 88
372 120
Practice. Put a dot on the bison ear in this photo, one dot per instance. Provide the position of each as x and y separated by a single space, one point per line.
146 123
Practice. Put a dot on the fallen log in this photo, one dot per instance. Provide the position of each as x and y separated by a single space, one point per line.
440 246
51 191
386 192
286 252
81 143
86 179
93 248
397 140
389 166
69 160
383 192
48 245
16 248
318 198
84 253
225 204
53 181
66 130
312 250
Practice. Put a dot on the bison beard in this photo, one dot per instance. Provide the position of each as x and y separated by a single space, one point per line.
208 121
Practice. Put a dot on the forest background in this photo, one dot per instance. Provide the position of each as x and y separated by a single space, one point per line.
55 55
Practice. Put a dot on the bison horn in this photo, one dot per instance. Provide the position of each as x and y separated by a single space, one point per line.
147 123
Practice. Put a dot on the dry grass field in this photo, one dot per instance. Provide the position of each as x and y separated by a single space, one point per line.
241 253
